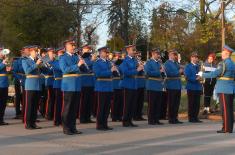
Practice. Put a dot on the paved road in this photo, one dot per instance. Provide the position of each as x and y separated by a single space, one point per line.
168 139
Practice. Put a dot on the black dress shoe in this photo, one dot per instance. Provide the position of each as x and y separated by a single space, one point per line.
100 128
198 121
114 120
90 121
133 125
34 126
67 132
142 119
108 128
126 124
178 122
172 122
220 131
28 127
3 123
159 123
151 122
75 131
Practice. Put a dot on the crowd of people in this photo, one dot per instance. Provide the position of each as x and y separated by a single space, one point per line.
66 84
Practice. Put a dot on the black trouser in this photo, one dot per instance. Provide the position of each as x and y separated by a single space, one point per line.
95 103
173 100
69 110
117 105
129 105
58 106
154 105
23 103
226 102
86 104
42 103
18 97
3 102
31 105
193 104
163 105
208 91
50 101
103 109
139 103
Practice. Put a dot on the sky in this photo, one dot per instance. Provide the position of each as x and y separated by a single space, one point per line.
102 30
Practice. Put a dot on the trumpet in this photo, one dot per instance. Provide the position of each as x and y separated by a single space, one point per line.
44 61
5 53
113 65
162 66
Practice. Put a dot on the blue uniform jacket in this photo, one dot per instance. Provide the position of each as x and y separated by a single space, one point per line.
18 71
129 71
103 74
3 75
154 81
57 74
71 73
87 78
173 80
31 69
190 72
48 74
225 69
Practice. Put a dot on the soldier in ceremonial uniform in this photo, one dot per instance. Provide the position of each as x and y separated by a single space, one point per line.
103 86
154 87
32 88
140 86
129 69
71 86
117 100
87 90
19 77
194 88
57 88
49 80
117 104
225 87
3 87
173 86
43 94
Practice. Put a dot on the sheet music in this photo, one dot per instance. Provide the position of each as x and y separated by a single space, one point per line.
209 69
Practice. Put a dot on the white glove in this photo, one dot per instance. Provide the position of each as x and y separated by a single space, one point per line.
199 73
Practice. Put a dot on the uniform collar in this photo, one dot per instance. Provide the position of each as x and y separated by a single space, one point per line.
130 57
193 64
154 60
70 54
103 59
31 58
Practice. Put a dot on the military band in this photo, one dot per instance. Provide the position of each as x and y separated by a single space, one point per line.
67 84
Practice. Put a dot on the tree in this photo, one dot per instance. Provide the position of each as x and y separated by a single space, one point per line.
45 23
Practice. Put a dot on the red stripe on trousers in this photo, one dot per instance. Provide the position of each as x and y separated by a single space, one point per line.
225 113
26 109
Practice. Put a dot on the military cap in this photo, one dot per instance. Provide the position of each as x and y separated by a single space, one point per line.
229 49
71 41
194 54
103 48
129 46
